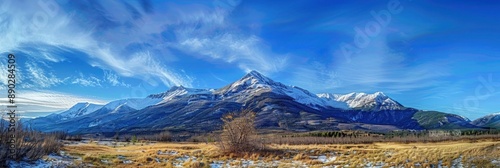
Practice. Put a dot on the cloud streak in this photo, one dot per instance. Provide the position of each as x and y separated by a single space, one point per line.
48 101
23 26
132 39
40 78
88 81
113 79
380 67
246 52
376 68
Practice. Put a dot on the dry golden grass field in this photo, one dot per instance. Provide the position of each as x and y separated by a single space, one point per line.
481 153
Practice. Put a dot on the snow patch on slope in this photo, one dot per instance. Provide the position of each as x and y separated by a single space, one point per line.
375 101
80 109
178 91
305 97
135 103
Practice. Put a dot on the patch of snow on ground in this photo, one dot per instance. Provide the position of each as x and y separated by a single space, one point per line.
326 159
496 162
376 164
457 162
52 161
37 164
167 152
127 162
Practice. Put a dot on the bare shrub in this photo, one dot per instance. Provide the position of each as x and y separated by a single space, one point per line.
29 144
239 134
207 138
127 138
164 136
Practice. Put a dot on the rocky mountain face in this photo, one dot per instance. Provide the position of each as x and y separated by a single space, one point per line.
277 106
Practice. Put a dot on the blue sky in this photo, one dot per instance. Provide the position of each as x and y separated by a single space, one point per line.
428 55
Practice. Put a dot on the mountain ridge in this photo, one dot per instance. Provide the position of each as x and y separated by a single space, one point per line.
371 102
490 120
278 106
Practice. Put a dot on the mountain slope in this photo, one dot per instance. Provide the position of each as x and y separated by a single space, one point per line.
435 120
492 120
79 109
101 116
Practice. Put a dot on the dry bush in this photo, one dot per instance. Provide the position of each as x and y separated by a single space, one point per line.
29 144
239 134
204 137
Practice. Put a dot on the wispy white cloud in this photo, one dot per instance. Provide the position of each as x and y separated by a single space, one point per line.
61 28
376 68
37 75
48 101
88 81
43 53
3 75
40 78
315 76
22 77
218 78
245 51
113 79
108 30
209 34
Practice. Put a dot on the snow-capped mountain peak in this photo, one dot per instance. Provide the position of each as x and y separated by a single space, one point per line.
134 103
255 83
79 106
254 78
376 101
178 91
258 77
328 96
493 115
80 109
380 94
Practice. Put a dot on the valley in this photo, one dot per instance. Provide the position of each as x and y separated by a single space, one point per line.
462 153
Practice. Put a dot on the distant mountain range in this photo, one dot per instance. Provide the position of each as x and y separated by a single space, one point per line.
277 106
